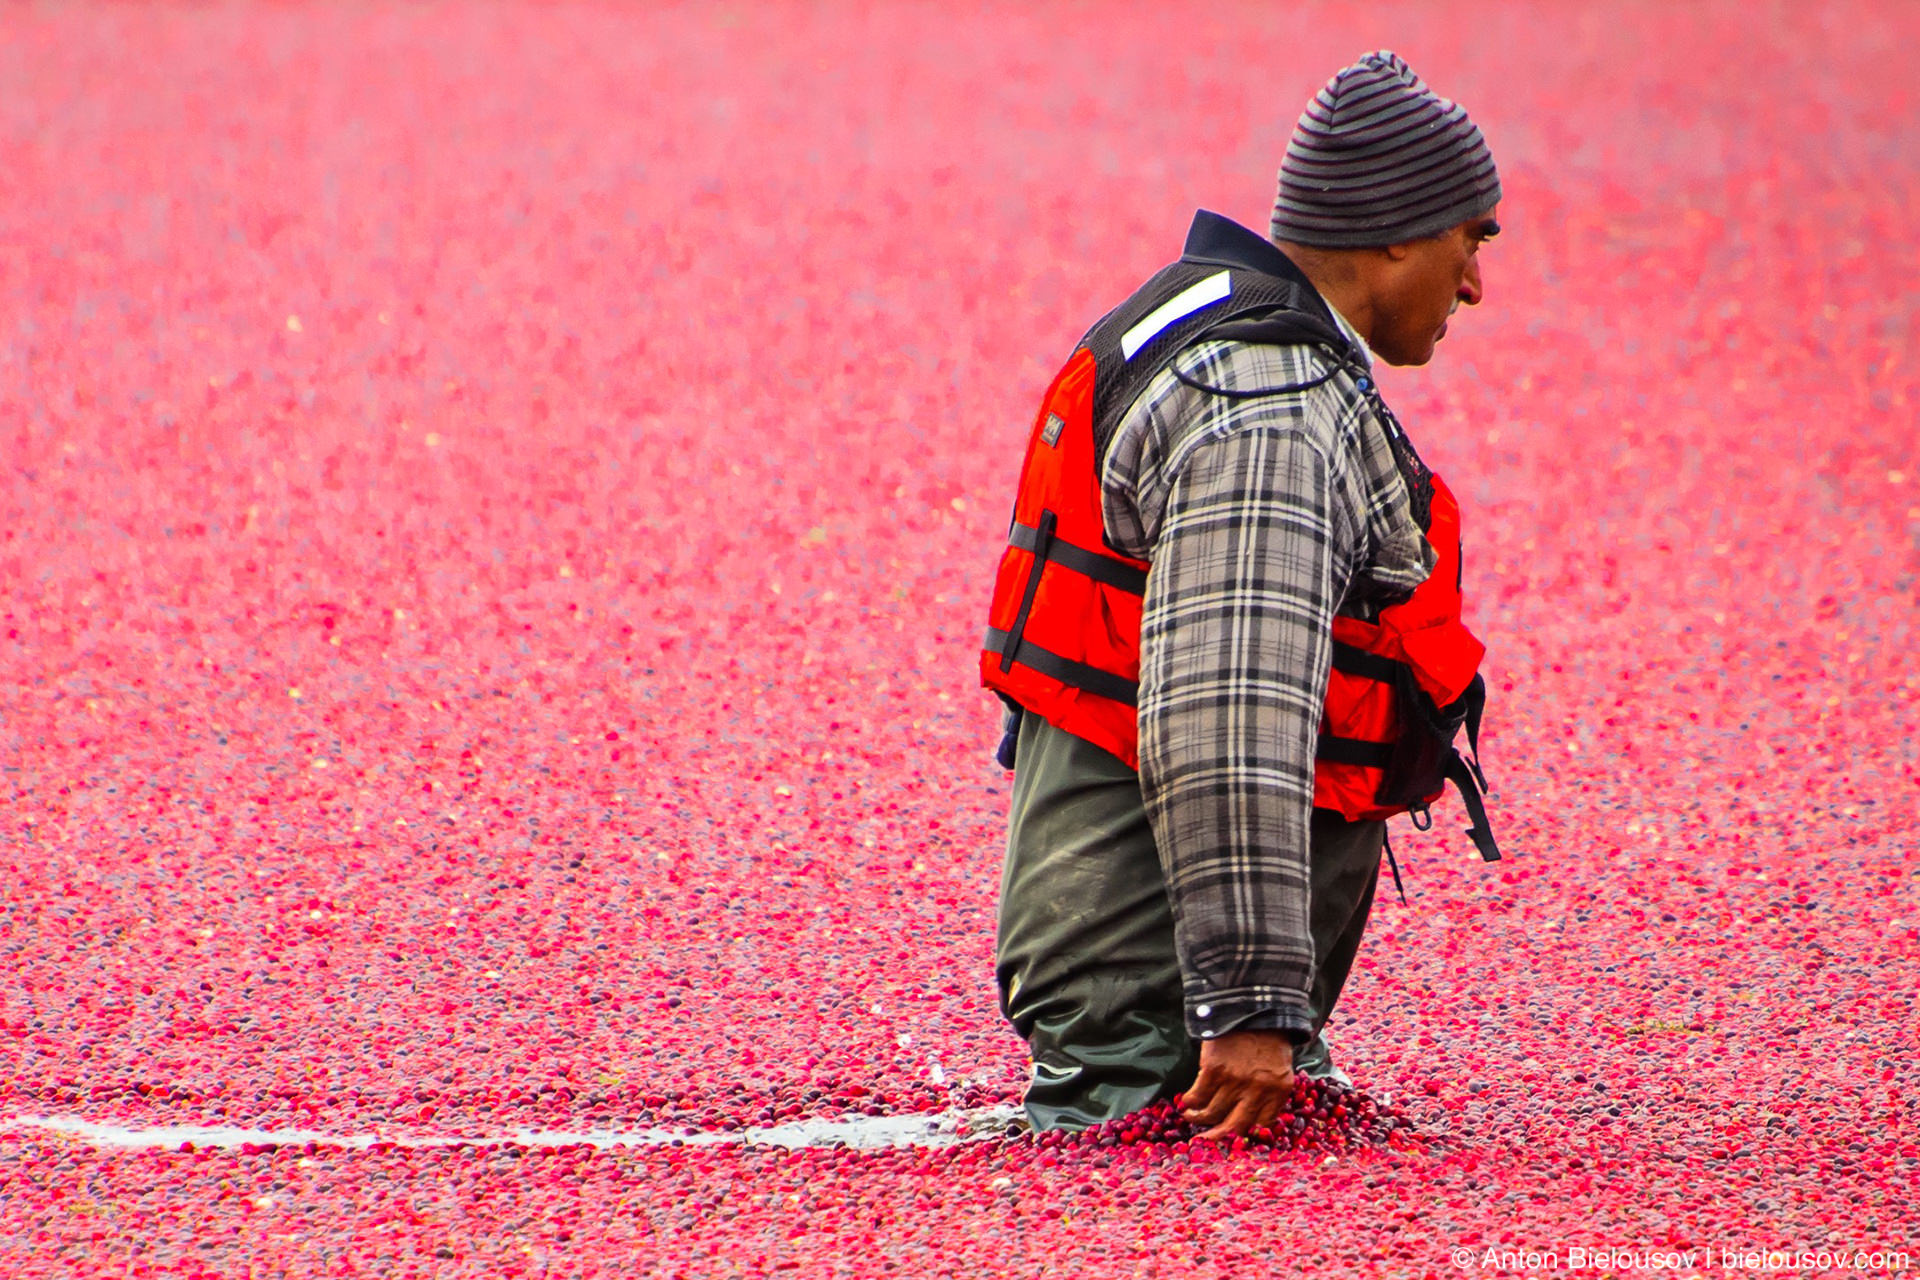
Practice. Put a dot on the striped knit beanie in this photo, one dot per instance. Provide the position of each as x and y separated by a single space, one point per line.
1377 159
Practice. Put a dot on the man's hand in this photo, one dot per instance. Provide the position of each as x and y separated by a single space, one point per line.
1245 1076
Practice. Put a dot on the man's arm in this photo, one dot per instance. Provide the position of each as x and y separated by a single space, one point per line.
1249 565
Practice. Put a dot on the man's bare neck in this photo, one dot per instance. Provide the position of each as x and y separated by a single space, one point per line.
1338 279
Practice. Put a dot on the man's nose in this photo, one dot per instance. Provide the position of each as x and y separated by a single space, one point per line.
1470 290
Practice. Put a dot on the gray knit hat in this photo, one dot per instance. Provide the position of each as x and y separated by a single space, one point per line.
1378 158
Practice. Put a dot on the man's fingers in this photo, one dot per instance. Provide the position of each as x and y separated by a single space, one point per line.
1257 1107
1201 1094
1237 1107
1215 1109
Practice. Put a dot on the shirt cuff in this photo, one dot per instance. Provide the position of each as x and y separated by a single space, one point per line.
1211 1019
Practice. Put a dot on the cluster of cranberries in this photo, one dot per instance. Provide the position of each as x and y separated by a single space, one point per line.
1318 1118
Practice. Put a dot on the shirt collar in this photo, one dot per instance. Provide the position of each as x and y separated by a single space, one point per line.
1220 241
1353 336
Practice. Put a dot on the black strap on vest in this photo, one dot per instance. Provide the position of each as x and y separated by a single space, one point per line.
1356 661
1042 544
1463 776
1354 751
1476 696
1104 569
1078 675
1469 779
1012 644
1393 864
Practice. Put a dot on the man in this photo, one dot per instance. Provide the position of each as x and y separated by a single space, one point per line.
1223 569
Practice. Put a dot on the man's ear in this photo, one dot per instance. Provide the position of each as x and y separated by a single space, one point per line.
1397 252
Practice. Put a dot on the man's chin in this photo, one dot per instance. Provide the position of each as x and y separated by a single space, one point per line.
1406 359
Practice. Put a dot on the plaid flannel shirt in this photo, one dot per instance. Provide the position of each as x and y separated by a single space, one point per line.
1261 518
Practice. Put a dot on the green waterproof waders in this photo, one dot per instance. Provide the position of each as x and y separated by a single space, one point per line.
1085 957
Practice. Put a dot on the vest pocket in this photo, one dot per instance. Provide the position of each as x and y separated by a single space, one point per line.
1417 765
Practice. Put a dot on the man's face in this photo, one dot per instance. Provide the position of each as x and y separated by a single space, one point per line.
1425 281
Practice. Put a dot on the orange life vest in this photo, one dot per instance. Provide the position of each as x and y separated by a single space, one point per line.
1063 634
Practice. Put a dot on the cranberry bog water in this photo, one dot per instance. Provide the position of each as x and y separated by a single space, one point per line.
498 509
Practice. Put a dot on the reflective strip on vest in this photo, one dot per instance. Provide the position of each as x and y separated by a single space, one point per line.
1178 307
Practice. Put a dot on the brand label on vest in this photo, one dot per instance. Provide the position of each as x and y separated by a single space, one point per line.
1050 434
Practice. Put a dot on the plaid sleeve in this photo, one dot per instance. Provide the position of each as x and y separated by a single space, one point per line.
1234 645
1252 516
